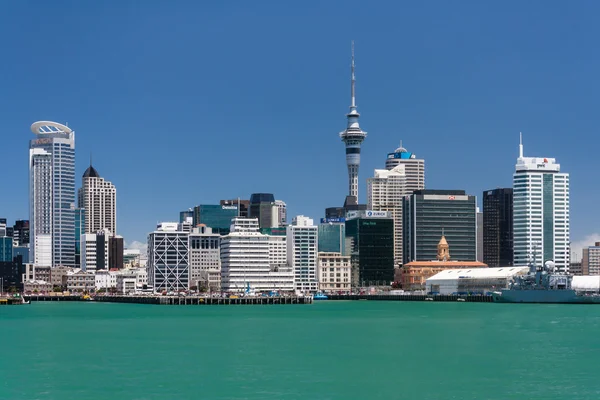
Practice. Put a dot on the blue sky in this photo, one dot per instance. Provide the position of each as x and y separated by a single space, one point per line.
187 102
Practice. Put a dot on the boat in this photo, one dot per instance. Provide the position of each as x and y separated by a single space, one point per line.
320 296
543 285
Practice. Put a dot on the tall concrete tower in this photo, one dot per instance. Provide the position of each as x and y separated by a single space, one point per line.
353 137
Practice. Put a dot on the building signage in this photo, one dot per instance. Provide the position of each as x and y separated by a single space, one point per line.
376 214
41 141
229 207
332 220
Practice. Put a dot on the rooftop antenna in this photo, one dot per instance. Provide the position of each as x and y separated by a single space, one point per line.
520 144
352 90
90 158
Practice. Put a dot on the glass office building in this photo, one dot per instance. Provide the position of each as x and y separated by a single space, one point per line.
371 249
6 249
430 214
332 237
498 227
217 217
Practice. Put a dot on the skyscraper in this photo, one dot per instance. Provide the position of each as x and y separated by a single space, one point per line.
99 198
168 258
302 241
353 137
541 212
263 207
414 168
385 193
281 212
52 194
430 214
498 227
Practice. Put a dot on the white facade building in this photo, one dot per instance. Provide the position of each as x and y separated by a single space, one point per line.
540 212
281 212
106 280
334 272
168 258
385 192
414 168
94 251
99 198
52 194
245 260
205 258
302 242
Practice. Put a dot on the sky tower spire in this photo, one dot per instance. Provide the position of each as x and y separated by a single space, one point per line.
353 136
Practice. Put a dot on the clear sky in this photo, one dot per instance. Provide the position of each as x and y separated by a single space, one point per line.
188 102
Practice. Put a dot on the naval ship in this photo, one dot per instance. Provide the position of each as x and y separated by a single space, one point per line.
543 285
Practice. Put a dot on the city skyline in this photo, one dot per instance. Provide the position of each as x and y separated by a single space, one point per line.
466 136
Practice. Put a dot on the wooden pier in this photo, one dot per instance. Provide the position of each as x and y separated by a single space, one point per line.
413 297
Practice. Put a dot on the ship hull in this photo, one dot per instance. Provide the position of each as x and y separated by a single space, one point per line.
543 296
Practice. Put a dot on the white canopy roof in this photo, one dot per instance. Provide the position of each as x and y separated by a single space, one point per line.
478 273
589 282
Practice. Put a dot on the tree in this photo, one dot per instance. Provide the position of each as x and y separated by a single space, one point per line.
57 289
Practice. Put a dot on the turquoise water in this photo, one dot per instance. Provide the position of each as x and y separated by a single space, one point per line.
328 350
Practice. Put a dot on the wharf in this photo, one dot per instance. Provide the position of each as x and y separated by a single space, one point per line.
11 301
413 297
196 300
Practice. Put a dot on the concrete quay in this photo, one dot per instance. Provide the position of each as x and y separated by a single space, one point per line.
413 297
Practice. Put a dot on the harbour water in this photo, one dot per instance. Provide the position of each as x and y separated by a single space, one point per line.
326 350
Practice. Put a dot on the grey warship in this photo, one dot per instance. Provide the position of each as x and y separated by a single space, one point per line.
543 285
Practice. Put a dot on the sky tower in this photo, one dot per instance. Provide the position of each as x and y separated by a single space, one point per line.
352 137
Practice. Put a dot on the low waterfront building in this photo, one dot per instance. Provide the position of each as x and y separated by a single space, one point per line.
127 282
58 276
334 271
34 272
81 281
36 286
106 280
413 275
473 280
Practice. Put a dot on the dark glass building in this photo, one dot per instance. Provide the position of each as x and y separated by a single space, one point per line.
350 204
430 214
262 206
21 232
371 250
11 275
218 217
498 227
6 249
115 252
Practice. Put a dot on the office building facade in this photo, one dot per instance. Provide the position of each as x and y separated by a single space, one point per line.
52 194
430 214
591 260
498 227
332 236
302 242
371 235
217 217
385 192
168 258
99 199
414 168
205 259
263 207
334 272
95 251
540 212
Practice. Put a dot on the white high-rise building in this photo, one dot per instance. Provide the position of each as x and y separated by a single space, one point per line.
414 168
246 260
168 258
385 192
99 198
205 258
52 194
94 251
302 242
281 212
540 212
